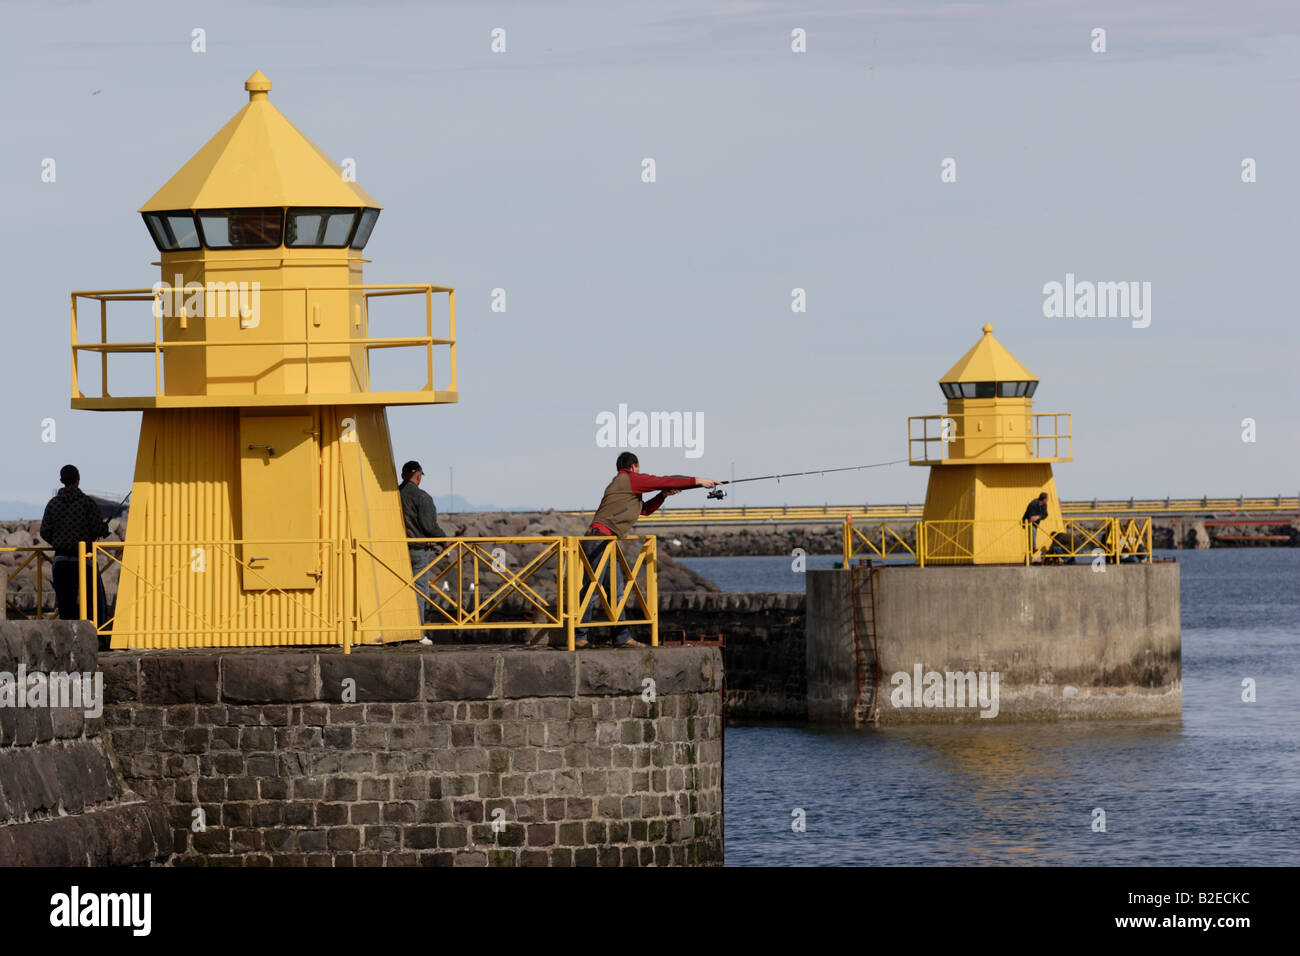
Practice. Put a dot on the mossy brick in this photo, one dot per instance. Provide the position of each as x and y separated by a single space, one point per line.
452 837
489 785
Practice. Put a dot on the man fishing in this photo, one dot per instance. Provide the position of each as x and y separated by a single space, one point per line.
620 506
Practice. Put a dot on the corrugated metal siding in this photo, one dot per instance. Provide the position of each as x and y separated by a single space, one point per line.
186 494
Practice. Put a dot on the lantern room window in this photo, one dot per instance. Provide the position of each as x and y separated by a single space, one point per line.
258 228
988 389
173 230
364 226
319 228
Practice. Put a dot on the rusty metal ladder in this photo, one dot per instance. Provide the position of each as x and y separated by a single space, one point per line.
866 706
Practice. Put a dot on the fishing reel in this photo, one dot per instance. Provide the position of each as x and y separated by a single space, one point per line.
717 492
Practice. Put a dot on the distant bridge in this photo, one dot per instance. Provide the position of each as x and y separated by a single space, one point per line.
1276 510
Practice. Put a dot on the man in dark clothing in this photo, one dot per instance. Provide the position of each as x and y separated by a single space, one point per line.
421 518
1034 513
70 518
619 508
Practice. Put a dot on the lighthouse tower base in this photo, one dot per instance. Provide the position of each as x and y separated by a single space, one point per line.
241 527
1064 643
994 494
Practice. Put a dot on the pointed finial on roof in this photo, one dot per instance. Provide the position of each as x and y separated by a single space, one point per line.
258 86
988 326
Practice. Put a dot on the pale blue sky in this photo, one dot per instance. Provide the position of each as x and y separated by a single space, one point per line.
775 171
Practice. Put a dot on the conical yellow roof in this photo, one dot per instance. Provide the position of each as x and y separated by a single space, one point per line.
259 158
988 361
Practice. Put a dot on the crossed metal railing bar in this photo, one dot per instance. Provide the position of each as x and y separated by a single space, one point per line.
1113 539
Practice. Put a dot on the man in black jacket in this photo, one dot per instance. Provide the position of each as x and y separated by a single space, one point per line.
72 517
1034 513
421 517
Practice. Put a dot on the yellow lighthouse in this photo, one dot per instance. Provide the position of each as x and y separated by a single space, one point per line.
989 456
264 449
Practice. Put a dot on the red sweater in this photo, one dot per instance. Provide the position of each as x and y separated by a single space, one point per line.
622 504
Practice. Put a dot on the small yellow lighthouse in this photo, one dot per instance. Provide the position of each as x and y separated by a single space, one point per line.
989 456
264 447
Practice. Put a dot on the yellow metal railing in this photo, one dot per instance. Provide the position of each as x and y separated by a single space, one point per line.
1006 542
587 584
193 593
890 544
37 556
466 584
1040 436
969 541
159 347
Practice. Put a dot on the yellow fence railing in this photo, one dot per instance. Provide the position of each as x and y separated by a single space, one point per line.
37 558
303 306
999 542
196 593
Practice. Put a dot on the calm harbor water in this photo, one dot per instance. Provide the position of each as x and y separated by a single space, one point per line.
1219 786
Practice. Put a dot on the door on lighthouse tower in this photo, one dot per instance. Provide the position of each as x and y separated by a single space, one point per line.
279 471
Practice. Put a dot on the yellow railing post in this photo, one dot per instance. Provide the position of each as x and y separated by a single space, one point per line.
847 539
572 570
921 543
352 598
652 587
347 602
81 579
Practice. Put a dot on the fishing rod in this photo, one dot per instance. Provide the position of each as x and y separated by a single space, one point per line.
717 492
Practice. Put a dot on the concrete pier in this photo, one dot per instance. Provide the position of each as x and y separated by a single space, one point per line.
1039 643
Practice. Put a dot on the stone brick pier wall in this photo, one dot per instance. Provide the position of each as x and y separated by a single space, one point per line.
62 800
426 756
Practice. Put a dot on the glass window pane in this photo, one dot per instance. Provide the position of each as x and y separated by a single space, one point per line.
216 232
176 229
368 218
319 228
1029 392
967 389
1007 389
1020 388
303 228
338 227
156 231
984 390
241 228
